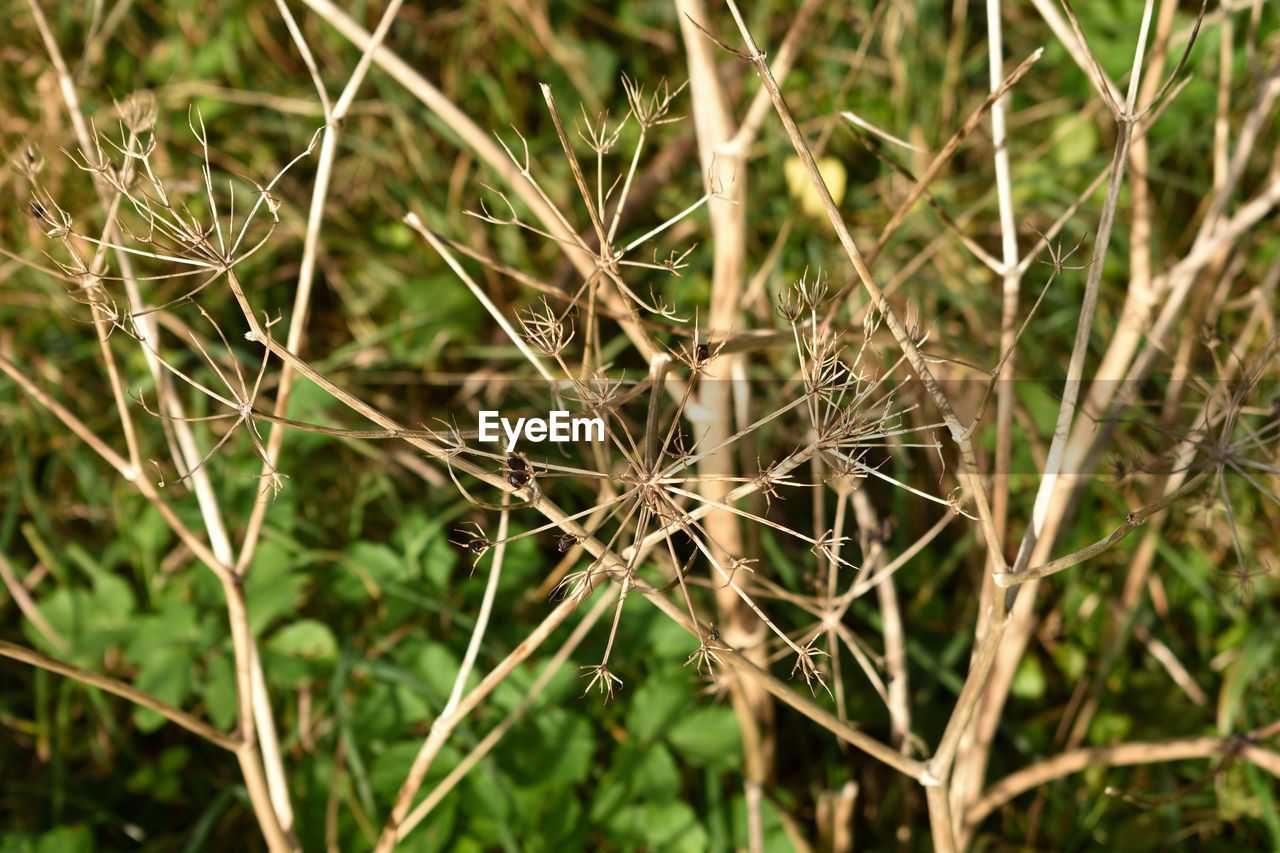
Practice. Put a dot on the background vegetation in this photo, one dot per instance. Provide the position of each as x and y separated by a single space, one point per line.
1133 700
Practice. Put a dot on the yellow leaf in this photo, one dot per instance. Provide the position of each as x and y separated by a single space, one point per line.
800 188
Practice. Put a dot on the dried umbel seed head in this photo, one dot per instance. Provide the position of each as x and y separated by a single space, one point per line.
1123 468
138 112
54 220
815 293
880 534
598 394
544 329
27 162
789 307
679 448
698 354
802 297
653 110
1210 337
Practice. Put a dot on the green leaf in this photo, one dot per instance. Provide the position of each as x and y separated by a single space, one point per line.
439 560
426 547
565 747
708 736
65 609
65 839
513 689
1261 786
306 638
468 845
1071 660
62 839
666 639
671 826
487 790
162 779
175 625
166 674
436 833
779 558
656 777
437 666
385 710
368 569
1184 564
149 534
552 817
1253 659
674 826
219 691
1076 140
657 704
1028 681
387 772
285 671
414 703
273 589
309 402
1110 727
112 600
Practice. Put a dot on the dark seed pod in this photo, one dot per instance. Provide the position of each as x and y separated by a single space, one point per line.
519 474
566 541
472 541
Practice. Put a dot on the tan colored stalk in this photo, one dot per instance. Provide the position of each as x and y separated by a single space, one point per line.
1066 455
1140 566
1002 605
18 592
493 156
966 781
141 698
482 748
334 114
610 561
247 752
447 719
294 340
712 415
959 433
264 777
1120 755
